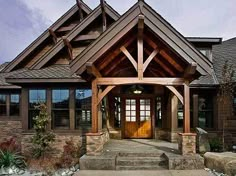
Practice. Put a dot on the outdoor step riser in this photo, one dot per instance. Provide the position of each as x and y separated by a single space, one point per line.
141 163
140 168
140 154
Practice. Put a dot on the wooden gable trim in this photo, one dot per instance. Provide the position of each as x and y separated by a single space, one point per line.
88 20
44 36
79 4
140 45
105 41
149 59
157 24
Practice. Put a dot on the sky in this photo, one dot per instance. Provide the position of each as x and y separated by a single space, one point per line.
22 21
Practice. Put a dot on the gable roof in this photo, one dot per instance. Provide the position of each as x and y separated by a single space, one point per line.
88 20
45 35
157 24
224 52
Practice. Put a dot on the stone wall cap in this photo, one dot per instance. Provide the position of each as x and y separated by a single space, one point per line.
187 134
94 134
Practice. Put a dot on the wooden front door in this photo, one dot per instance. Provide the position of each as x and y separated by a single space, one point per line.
138 121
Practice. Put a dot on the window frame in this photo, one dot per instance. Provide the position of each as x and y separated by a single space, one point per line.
53 126
86 111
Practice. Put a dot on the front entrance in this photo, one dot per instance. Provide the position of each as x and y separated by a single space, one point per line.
138 118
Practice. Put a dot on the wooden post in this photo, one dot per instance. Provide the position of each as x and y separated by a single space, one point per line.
140 46
99 112
186 127
195 110
72 108
49 106
94 107
24 108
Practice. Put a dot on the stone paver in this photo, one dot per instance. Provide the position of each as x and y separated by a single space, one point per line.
144 173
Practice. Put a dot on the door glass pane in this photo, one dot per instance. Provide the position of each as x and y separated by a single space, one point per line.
127 107
133 107
142 107
133 113
133 119
142 119
145 109
142 113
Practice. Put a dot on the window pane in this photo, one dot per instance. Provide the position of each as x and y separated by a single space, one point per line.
36 96
14 105
61 118
60 98
3 106
60 104
158 112
83 102
205 111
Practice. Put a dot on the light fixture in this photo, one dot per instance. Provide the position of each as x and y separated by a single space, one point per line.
137 89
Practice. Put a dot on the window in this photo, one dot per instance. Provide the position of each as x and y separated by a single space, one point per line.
234 104
145 110
158 112
3 105
83 107
117 112
205 111
60 108
36 96
14 105
130 110
180 114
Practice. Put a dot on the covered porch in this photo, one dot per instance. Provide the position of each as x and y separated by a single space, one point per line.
140 49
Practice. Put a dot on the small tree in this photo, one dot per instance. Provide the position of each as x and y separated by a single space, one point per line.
42 138
226 93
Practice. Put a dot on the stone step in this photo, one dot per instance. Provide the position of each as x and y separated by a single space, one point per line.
141 161
141 167
143 154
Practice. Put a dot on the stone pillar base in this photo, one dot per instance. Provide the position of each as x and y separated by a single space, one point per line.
95 142
187 143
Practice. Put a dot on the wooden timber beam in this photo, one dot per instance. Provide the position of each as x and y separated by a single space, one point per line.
129 56
52 33
104 93
176 92
133 80
69 47
104 20
79 4
118 61
190 70
140 45
186 128
86 37
94 106
149 59
109 58
92 70
158 61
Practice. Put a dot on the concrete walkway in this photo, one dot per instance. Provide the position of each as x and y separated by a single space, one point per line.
144 173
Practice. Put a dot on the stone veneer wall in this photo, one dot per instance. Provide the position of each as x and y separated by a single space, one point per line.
10 129
57 146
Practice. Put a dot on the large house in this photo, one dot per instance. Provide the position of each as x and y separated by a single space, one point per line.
116 76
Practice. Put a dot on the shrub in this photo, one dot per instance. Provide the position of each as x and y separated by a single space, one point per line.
42 138
70 155
10 145
215 145
9 159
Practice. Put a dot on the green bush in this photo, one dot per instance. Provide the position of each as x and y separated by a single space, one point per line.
215 145
42 138
9 159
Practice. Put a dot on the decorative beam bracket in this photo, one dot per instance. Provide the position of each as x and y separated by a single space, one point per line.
69 47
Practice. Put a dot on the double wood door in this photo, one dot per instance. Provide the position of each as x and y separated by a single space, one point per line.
138 118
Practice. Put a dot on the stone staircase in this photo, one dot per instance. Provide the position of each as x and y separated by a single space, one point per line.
141 161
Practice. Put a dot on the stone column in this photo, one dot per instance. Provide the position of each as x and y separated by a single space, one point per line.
187 143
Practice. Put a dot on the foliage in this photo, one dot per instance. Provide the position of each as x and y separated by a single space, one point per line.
10 159
42 138
226 93
215 145
10 145
70 155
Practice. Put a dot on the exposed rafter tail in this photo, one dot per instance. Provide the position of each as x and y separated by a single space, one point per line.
52 33
104 20
79 4
69 47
